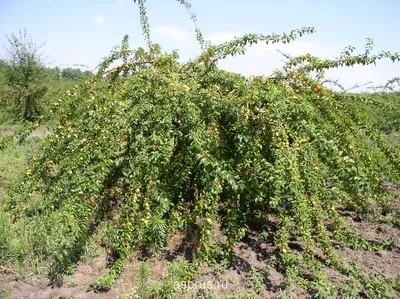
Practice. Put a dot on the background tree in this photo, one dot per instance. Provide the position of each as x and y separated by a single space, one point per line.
54 73
74 74
3 65
25 74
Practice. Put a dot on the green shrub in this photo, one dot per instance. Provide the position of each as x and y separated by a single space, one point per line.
25 75
154 146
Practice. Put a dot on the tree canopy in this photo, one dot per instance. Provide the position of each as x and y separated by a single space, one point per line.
75 74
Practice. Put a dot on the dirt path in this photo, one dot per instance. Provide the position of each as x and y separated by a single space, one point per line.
37 287
39 132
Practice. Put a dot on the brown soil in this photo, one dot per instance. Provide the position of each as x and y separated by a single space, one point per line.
253 252
39 132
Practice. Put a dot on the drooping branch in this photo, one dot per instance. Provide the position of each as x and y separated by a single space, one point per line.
144 21
199 34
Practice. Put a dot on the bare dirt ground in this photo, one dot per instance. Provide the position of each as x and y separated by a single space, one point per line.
39 132
252 252
75 286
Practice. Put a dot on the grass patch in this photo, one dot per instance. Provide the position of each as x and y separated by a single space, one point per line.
13 161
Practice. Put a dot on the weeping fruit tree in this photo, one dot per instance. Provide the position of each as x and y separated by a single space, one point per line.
152 146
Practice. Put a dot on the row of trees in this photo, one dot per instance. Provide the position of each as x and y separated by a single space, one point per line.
26 77
74 74
69 73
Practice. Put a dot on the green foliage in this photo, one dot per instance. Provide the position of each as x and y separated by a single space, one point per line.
28 87
348 290
258 280
143 287
90 251
14 239
74 74
176 277
5 293
383 112
3 66
54 73
285 293
250 294
385 119
3 69
153 146
25 74
52 88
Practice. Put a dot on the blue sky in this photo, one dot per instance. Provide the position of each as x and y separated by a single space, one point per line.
84 31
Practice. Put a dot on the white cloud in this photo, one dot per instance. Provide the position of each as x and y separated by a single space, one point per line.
262 59
294 48
99 19
223 37
172 32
